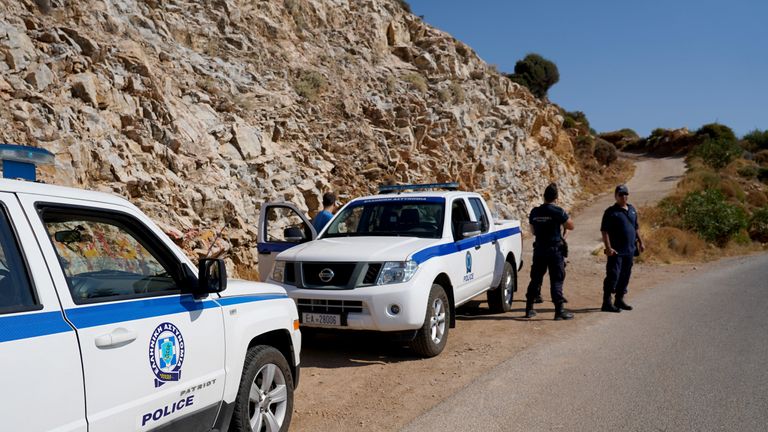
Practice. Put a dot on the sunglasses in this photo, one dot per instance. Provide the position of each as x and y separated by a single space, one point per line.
623 194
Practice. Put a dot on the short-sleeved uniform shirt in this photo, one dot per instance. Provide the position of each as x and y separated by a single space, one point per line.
321 220
547 221
621 226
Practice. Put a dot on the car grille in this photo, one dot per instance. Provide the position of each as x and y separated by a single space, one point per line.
329 306
341 274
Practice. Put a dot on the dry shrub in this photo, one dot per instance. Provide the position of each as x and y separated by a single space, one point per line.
310 85
699 179
668 245
757 198
761 157
417 82
732 189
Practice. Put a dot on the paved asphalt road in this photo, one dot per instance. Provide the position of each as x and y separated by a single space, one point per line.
692 356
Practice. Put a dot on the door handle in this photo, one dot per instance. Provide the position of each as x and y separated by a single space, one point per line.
116 338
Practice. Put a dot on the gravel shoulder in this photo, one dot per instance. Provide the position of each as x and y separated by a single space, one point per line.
353 381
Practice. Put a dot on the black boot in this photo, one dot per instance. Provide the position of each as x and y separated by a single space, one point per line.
620 303
538 299
607 305
562 314
529 312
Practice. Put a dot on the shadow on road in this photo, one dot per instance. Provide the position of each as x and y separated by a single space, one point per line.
473 311
330 349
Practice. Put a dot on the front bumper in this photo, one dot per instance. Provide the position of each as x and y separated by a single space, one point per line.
367 308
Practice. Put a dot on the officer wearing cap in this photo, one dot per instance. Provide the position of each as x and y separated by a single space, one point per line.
547 222
622 243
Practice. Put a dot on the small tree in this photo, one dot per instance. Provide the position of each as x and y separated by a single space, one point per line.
716 131
717 153
758 140
536 73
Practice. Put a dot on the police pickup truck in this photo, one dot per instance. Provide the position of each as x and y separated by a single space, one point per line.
397 262
105 325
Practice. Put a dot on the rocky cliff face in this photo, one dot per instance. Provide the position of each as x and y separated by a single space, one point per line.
199 111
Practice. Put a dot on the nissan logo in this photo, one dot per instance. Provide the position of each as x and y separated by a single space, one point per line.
326 275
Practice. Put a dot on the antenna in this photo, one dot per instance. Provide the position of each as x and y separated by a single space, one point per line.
19 162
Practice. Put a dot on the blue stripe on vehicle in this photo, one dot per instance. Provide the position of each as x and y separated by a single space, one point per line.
462 245
274 247
228 301
32 325
91 316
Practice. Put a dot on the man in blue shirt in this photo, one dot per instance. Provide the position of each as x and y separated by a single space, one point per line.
622 243
547 222
325 216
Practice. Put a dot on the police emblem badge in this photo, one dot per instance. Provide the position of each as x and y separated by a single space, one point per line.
166 353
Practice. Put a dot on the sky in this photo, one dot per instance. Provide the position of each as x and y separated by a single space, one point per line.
639 64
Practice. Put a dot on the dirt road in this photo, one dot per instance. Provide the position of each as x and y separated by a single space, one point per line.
364 382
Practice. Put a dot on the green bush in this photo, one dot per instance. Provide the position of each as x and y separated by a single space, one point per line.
605 152
712 217
718 152
748 171
536 73
758 140
758 225
404 5
575 119
761 157
762 175
716 131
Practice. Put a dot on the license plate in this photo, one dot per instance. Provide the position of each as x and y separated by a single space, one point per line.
321 319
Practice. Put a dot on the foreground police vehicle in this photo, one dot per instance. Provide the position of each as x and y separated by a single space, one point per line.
105 325
396 262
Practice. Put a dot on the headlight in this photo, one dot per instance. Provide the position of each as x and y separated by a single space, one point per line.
278 272
397 272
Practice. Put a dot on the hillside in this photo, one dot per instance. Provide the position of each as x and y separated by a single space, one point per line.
198 111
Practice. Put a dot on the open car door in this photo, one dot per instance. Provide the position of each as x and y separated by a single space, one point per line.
281 226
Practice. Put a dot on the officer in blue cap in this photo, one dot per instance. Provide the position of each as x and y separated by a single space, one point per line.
622 243
547 222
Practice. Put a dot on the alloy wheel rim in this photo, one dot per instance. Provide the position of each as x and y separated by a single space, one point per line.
508 290
437 321
268 399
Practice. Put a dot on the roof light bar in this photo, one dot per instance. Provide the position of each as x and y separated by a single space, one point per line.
19 162
400 188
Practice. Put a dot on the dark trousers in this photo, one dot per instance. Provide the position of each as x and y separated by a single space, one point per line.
617 273
552 260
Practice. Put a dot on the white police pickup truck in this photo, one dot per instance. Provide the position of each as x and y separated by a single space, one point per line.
395 262
105 325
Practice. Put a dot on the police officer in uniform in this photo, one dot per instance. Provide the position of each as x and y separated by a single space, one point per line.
547 221
622 243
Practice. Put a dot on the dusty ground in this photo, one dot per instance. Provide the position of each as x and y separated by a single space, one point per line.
364 382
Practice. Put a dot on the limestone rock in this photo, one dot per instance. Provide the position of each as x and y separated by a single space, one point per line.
193 112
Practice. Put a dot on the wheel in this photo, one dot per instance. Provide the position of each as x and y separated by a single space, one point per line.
433 335
500 298
264 401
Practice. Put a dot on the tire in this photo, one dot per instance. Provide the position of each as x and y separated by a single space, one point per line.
500 298
258 406
433 335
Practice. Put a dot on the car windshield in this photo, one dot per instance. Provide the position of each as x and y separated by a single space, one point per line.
397 217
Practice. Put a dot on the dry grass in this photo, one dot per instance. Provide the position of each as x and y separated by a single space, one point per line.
310 85
672 245
417 82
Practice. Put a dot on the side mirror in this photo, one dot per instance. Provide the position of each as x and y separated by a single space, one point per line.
293 235
469 229
212 276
